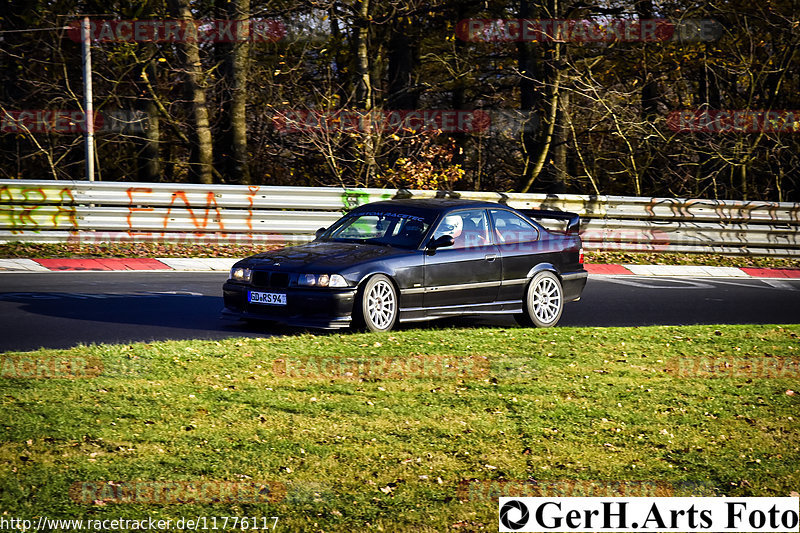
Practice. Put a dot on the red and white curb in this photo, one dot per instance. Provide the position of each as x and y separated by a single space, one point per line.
215 264
692 271
169 264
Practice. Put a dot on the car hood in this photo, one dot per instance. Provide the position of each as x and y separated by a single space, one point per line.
322 256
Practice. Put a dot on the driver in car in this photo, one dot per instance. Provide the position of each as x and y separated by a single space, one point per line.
452 225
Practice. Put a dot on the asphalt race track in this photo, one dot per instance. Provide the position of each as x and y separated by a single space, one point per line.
60 310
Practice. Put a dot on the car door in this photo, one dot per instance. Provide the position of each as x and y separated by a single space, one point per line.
464 277
522 245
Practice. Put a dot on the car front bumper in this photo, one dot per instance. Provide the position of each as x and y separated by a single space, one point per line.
312 308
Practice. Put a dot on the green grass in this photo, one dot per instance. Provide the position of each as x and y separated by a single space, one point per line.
593 404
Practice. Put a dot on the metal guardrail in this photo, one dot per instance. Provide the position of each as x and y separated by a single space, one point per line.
101 212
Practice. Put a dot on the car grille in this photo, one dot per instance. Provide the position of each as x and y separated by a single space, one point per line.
279 280
273 280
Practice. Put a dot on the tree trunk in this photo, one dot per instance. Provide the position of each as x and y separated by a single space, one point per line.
402 62
458 102
364 95
560 145
708 97
650 95
538 75
11 90
401 89
201 159
149 165
239 10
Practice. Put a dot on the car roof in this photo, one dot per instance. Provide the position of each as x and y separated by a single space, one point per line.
433 204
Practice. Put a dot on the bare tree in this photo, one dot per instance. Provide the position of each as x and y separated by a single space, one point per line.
201 163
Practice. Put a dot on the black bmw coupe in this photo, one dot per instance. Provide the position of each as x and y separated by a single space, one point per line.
412 260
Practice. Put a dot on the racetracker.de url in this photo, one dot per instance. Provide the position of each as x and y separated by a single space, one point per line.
196 523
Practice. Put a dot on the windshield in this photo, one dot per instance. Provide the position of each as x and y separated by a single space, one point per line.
403 230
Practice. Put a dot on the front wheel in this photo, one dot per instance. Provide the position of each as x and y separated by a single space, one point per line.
379 304
544 301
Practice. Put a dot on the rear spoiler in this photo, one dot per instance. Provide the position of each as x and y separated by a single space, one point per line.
573 219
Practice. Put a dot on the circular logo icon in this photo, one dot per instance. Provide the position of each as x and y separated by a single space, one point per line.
524 514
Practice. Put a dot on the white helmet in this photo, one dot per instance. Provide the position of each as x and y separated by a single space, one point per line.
451 225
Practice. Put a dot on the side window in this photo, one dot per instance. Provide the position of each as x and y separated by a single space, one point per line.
408 233
468 228
510 228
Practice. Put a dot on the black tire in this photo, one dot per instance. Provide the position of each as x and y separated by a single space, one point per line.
378 305
543 303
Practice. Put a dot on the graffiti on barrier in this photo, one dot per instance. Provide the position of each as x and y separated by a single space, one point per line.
200 216
724 211
27 208
352 198
184 217
97 213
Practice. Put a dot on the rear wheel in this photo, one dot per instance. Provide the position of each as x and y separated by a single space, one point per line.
379 304
544 301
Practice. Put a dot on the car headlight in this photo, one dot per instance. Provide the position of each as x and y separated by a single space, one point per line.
321 280
241 274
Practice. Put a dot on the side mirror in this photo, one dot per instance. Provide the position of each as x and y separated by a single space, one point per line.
320 232
441 242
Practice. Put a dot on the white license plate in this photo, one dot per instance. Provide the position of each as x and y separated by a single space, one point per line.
270 298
